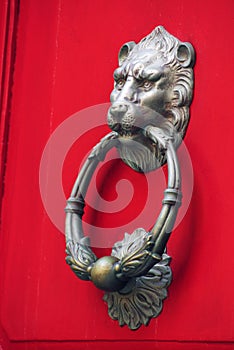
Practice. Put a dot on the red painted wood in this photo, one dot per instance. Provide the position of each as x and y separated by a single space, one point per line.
105 345
66 53
8 23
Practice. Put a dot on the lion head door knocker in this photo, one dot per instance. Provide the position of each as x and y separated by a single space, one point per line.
148 117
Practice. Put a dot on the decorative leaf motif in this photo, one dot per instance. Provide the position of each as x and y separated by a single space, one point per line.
144 300
142 297
97 150
130 244
132 251
80 257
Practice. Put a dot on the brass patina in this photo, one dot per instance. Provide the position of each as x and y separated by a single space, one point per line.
153 86
149 116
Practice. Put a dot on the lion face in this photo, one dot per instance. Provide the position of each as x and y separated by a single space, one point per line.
147 93
142 92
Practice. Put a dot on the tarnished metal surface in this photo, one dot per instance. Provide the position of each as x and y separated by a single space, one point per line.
149 116
153 86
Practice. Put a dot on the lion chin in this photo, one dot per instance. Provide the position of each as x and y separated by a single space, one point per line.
140 153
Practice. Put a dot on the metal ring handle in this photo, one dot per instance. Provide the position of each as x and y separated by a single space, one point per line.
111 273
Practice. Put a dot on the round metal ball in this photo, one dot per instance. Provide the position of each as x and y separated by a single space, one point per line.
103 274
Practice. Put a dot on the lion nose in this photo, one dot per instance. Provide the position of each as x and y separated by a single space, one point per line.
118 110
131 97
116 114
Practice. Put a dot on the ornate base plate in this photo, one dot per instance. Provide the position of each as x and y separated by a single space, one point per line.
142 297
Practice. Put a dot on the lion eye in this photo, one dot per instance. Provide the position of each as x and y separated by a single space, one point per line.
120 83
147 84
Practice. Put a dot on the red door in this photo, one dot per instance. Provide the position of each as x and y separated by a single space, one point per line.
57 59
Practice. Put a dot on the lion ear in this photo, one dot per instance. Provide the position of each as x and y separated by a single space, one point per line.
185 55
125 51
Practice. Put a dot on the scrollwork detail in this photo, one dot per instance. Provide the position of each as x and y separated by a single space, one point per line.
80 257
132 252
98 151
145 299
142 297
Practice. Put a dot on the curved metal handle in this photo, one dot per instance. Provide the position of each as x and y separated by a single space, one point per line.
111 274
135 276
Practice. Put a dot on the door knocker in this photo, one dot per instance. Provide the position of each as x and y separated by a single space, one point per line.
148 117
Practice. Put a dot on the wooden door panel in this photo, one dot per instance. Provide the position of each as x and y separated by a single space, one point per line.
65 56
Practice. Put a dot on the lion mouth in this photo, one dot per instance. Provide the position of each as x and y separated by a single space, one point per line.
129 132
126 133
